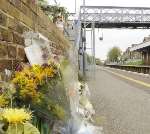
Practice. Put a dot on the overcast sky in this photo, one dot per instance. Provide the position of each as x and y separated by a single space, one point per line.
112 37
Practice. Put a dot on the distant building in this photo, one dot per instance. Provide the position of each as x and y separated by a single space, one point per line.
144 49
134 55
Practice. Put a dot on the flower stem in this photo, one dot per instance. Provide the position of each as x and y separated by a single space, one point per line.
16 129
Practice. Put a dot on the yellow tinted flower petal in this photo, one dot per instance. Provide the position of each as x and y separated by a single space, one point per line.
14 115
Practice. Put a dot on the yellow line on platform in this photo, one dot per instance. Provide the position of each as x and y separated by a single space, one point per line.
131 79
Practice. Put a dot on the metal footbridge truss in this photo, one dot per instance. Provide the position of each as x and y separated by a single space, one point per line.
117 17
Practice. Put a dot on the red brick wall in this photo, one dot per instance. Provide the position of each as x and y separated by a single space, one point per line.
18 16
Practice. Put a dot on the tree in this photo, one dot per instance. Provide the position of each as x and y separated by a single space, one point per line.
114 54
42 2
53 11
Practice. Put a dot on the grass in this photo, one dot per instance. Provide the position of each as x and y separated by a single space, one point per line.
139 62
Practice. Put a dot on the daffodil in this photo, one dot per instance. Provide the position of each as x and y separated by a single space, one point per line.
15 116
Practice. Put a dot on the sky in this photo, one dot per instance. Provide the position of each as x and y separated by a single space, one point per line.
122 38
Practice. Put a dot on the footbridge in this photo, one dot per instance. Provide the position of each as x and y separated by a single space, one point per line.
115 17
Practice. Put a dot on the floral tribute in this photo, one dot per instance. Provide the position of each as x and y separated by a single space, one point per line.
34 85
30 78
31 87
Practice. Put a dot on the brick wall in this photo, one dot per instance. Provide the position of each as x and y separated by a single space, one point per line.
18 16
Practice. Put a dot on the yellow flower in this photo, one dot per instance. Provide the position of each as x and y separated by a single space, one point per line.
31 78
3 101
36 69
49 72
14 115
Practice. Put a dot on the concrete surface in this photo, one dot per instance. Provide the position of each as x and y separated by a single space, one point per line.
122 106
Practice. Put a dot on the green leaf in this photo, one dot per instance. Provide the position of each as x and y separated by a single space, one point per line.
26 128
